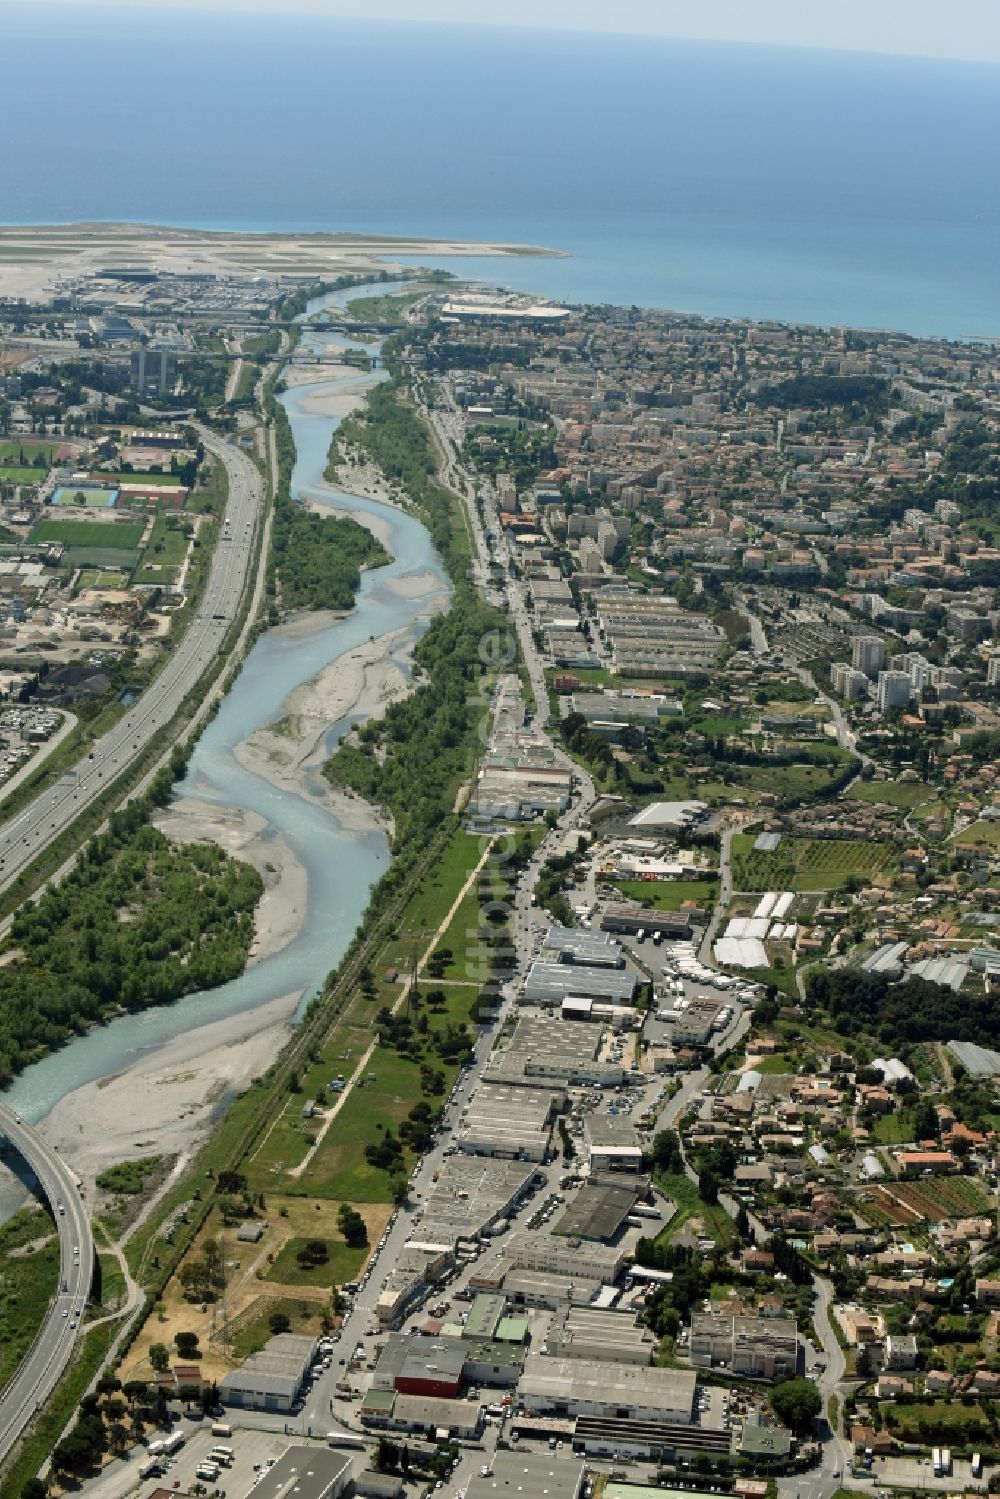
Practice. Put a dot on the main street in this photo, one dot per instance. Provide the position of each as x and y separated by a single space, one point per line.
56 808
42 1367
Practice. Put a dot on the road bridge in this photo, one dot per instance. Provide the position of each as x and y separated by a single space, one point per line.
53 1347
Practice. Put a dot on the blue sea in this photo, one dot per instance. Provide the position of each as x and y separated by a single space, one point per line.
724 180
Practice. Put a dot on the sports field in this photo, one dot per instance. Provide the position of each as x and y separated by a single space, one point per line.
118 536
20 450
85 494
98 578
11 474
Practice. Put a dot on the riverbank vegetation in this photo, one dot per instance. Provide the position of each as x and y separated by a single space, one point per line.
29 1274
316 560
414 765
412 762
138 921
388 308
390 433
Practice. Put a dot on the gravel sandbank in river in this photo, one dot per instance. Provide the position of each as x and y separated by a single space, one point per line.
165 1103
245 835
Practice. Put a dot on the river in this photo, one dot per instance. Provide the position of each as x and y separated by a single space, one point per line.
342 864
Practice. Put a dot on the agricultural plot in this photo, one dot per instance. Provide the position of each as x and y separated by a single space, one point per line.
987 833
809 863
910 1204
904 794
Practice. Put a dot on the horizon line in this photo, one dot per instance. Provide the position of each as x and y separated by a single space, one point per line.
303 10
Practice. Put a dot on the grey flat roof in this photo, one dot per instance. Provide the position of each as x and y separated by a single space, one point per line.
529 1475
562 979
598 1211
551 1378
303 1473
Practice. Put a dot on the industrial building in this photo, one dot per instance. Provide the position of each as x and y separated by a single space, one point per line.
539 1288
694 1025
598 1333
577 1387
550 1257
548 984
271 1379
311 1472
437 1419
471 1196
529 1475
754 1347
438 1367
669 817
547 1052
612 1142
574 945
511 1121
599 1210
673 925
417 1268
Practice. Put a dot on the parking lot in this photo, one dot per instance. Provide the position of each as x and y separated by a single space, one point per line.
253 1452
917 1473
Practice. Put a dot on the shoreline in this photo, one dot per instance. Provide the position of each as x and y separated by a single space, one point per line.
33 257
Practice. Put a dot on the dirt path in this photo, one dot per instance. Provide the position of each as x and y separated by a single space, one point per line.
366 1057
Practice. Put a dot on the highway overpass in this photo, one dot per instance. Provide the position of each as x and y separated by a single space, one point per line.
53 1347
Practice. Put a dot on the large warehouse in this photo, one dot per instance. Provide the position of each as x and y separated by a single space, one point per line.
573 945
550 983
629 1392
307 1472
270 1379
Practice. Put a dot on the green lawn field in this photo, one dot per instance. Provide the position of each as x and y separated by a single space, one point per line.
167 545
113 536
987 833
15 475
669 895
342 1263
26 449
892 793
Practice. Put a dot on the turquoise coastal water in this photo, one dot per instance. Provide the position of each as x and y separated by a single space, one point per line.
342 865
723 180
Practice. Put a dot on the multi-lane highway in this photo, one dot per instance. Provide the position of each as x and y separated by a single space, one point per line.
56 808
50 1352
